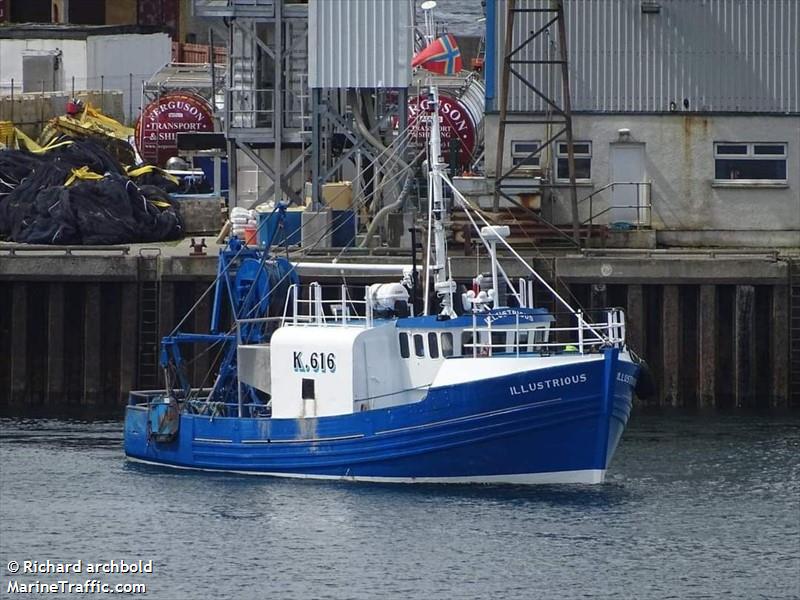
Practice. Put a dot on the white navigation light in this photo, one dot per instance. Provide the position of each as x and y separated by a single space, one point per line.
428 5
445 287
495 232
385 296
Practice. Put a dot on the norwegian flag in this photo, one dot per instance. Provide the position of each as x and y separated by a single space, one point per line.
441 56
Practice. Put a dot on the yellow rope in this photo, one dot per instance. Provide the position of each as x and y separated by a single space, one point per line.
84 174
150 169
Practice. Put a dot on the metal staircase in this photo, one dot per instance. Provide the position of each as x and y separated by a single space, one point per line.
528 231
149 335
531 65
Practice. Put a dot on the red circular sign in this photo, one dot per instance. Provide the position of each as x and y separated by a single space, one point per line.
456 124
162 119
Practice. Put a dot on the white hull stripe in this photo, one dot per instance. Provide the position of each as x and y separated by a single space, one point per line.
589 476
466 369
491 413
340 438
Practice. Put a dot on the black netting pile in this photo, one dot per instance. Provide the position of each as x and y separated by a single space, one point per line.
36 206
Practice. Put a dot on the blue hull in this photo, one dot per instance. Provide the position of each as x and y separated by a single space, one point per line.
512 428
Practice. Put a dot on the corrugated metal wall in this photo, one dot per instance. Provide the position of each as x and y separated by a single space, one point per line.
359 43
719 55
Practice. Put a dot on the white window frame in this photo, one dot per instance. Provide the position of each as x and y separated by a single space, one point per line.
560 155
423 351
519 154
750 154
432 337
404 335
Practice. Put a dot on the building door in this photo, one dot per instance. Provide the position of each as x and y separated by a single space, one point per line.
627 169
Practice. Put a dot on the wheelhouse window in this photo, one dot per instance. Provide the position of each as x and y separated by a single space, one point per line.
750 162
522 341
447 344
404 345
433 345
498 342
520 153
467 347
583 161
419 345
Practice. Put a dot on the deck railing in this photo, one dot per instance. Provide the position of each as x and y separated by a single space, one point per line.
583 338
315 310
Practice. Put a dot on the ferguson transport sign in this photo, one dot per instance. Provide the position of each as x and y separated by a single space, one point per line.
162 119
457 124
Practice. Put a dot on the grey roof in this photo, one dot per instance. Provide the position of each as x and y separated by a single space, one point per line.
66 31
719 56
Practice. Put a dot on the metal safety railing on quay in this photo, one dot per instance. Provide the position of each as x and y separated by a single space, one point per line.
643 206
588 336
219 8
14 249
315 310
245 108
252 108
93 89
715 253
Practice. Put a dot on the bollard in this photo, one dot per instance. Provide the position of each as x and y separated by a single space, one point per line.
198 248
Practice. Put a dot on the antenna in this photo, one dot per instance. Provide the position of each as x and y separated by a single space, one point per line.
428 7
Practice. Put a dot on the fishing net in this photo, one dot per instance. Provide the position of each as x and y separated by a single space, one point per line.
78 194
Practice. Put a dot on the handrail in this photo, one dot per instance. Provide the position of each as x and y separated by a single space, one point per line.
612 207
639 206
339 308
613 333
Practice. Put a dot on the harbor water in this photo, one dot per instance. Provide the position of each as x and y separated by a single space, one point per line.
694 507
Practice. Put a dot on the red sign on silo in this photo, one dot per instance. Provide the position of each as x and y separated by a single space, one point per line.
163 119
457 123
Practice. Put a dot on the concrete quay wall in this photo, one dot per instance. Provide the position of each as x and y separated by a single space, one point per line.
79 331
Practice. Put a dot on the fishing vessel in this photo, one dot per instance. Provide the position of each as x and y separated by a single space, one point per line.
366 390
481 386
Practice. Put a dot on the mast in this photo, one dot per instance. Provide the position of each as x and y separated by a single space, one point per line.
437 211
442 284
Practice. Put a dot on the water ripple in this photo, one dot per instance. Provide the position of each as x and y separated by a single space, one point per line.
693 508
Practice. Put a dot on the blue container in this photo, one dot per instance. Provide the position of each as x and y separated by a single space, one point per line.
343 224
206 163
289 235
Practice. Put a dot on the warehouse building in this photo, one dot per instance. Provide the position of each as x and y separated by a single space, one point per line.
685 113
